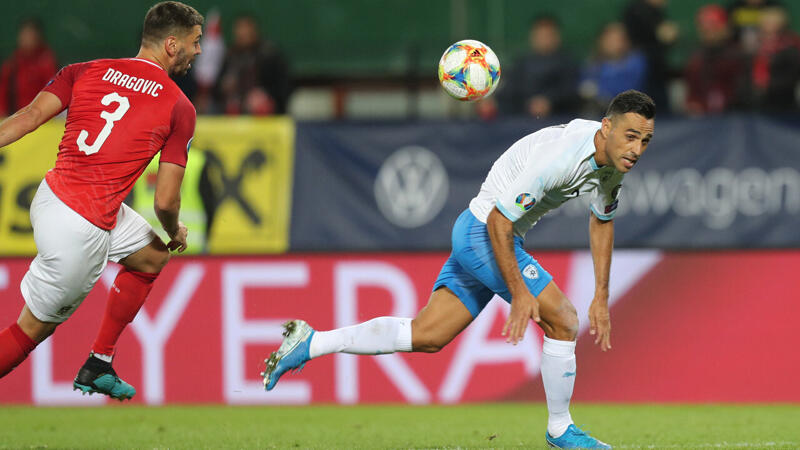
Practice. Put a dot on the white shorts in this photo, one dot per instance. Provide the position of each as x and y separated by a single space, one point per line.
72 253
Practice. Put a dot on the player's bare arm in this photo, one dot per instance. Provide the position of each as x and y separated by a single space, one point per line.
601 240
29 118
167 204
523 304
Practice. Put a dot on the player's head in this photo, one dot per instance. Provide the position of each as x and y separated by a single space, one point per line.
628 128
172 30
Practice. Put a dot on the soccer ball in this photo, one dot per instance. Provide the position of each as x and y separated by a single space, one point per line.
469 70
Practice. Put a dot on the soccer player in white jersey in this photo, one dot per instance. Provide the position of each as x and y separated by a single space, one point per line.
535 175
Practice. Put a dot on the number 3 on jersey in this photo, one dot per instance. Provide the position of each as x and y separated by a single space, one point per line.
110 118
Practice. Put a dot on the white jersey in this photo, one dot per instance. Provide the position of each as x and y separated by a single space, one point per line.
545 169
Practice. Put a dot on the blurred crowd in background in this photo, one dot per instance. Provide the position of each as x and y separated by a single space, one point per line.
746 58
250 76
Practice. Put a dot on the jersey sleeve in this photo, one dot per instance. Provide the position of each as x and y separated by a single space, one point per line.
61 84
176 148
605 198
528 188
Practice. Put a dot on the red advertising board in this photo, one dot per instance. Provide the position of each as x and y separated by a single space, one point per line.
686 327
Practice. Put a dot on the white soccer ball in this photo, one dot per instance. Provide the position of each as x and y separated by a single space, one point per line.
469 70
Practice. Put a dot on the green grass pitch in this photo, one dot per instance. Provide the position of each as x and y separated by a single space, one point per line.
395 426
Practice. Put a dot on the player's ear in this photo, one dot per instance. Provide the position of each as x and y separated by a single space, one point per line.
605 128
171 45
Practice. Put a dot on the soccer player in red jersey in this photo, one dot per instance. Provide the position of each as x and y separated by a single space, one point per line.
121 112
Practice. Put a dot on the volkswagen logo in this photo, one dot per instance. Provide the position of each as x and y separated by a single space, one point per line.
411 187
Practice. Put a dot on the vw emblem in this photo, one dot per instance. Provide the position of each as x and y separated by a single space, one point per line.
411 187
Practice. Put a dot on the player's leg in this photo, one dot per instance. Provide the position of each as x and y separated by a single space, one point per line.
130 289
441 320
560 324
71 256
559 321
142 254
20 338
456 300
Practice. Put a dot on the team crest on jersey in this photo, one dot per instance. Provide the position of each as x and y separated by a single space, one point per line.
530 271
525 201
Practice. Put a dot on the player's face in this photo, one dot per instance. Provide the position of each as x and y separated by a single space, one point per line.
189 48
627 137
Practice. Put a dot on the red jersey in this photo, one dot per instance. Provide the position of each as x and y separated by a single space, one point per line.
121 113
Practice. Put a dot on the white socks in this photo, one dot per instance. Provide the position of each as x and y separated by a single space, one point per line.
558 377
393 334
374 337
101 357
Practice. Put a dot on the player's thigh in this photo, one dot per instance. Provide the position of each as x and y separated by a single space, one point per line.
473 250
559 318
131 234
72 254
439 322
473 294
474 262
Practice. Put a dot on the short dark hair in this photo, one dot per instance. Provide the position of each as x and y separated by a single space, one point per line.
632 101
169 18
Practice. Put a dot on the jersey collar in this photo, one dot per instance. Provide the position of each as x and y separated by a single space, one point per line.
593 164
146 61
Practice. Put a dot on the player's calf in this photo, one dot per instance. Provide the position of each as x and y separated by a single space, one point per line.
15 346
19 339
125 299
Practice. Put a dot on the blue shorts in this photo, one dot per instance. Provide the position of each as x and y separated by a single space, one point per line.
471 272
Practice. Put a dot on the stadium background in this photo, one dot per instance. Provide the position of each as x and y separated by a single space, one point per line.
337 221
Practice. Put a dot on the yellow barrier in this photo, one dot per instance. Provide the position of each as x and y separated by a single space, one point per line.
23 165
250 162
247 171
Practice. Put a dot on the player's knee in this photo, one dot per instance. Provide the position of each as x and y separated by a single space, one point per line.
161 260
37 330
565 327
156 261
425 340
427 346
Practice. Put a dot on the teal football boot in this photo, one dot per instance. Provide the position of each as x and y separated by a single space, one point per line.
98 376
292 354
574 437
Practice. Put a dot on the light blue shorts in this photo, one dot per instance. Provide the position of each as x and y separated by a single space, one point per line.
471 272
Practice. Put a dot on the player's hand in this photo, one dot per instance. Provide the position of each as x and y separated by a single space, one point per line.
178 238
600 323
523 308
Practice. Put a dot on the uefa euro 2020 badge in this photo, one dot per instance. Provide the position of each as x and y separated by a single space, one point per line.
525 201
